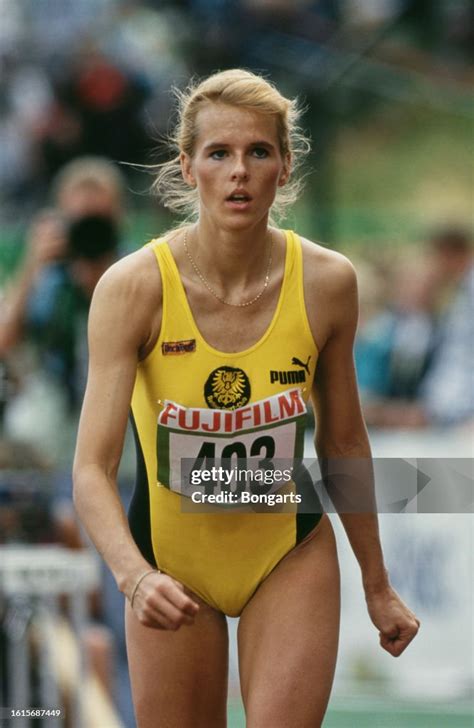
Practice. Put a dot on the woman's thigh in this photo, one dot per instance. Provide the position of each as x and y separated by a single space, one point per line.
288 637
179 679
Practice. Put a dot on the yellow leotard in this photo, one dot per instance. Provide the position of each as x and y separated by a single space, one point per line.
190 400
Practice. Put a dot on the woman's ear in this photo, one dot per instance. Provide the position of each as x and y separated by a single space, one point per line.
187 169
286 171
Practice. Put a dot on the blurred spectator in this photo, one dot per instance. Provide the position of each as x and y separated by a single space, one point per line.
54 27
67 250
394 346
90 185
447 391
400 351
26 93
149 41
97 110
373 339
59 139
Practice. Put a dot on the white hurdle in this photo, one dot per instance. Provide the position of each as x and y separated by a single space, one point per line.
32 581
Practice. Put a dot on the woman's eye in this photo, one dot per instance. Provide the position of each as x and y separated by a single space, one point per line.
260 152
218 154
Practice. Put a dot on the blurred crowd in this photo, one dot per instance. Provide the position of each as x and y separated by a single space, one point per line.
414 350
81 95
93 77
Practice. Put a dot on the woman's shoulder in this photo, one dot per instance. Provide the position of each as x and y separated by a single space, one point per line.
327 267
134 278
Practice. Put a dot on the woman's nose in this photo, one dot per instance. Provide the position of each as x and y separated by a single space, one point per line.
240 170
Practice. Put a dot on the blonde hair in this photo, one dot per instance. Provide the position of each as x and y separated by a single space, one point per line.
235 87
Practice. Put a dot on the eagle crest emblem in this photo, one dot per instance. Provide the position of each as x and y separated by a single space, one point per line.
227 388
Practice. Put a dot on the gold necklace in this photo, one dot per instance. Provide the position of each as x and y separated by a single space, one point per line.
211 290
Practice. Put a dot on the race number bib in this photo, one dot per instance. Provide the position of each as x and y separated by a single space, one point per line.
267 430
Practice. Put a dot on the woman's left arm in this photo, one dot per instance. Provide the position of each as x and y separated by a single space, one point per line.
343 447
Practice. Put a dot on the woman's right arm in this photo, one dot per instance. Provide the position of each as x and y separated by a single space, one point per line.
119 326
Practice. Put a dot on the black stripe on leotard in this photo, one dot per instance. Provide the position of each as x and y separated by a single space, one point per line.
139 510
310 510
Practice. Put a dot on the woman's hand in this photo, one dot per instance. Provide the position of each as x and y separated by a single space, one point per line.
396 623
161 603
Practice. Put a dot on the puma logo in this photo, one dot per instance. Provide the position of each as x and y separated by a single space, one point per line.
298 363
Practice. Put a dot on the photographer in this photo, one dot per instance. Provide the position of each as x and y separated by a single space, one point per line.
67 250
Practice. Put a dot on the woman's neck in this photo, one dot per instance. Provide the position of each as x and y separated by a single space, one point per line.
230 255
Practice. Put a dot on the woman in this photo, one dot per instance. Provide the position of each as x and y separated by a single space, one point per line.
217 319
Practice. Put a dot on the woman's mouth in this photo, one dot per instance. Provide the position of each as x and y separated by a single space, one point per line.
238 200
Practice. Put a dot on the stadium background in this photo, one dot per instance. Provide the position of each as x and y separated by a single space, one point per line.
387 87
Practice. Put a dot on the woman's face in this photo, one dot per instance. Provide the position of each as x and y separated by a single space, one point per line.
237 165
